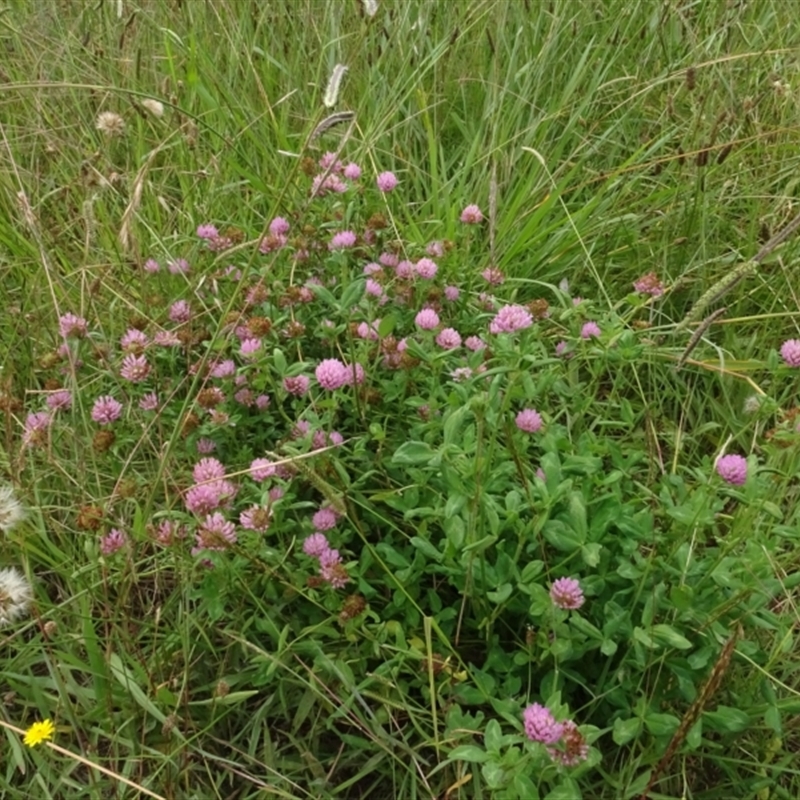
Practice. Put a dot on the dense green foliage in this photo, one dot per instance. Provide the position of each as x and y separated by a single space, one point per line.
200 656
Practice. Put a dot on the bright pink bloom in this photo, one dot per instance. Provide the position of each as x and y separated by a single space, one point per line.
540 724
331 374
207 232
732 469
222 369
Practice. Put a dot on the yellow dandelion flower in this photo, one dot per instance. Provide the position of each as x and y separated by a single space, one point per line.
39 732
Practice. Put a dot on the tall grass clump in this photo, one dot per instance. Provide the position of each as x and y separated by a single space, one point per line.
373 425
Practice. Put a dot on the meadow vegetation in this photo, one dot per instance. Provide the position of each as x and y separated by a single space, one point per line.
422 429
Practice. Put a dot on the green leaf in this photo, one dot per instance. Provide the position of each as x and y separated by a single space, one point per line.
590 553
493 736
387 325
608 647
772 719
641 635
625 730
501 595
469 752
493 774
352 294
695 736
426 548
682 597
667 635
525 788
661 724
411 453
482 544
279 361
727 719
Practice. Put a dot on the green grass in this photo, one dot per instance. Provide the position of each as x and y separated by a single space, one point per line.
603 140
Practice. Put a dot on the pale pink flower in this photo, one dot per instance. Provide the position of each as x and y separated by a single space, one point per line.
255 518
134 341
262 468
426 268
566 593
315 545
112 542
448 338
72 327
279 227
106 410
529 420
149 402
452 293
296 385
208 469
180 266
342 240
216 533
60 399
511 318
471 215
590 330
427 319
324 519
386 181
134 368
180 311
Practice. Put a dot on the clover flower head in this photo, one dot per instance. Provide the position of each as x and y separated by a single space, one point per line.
511 318
540 724
790 352
448 339
386 181
106 410
529 420
471 215
331 374
566 593
590 330
732 468
427 319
